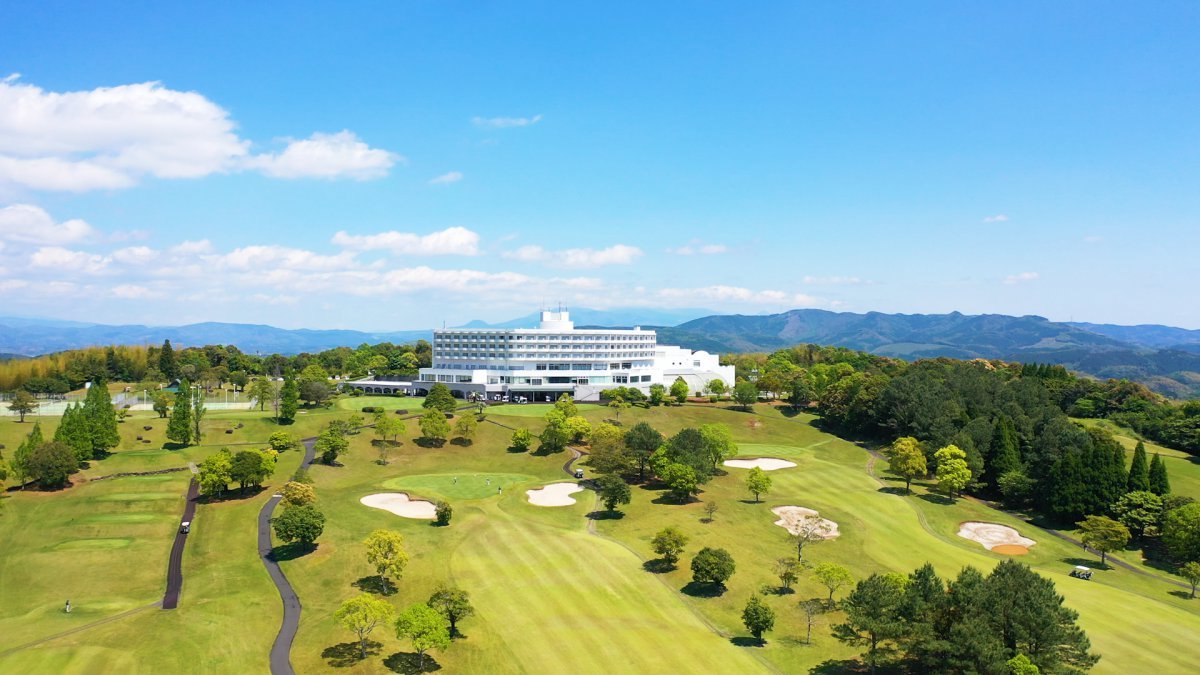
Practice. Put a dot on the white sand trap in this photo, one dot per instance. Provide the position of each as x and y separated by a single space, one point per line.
554 494
992 535
792 517
399 504
764 463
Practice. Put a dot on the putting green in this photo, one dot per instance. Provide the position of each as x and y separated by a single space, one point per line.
451 486
119 518
93 544
137 496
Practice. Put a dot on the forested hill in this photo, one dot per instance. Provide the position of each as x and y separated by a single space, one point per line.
914 336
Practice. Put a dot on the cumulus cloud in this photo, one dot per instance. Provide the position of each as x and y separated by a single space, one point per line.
135 255
134 292
505 122
31 224
272 257
1020 278
340 155
192 247
998 218
110 137
619 254
67 261
447 178
450 241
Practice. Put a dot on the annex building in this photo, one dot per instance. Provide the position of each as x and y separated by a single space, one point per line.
555 358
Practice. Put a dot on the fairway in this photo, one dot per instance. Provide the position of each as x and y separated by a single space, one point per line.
465 485
355 404
521 409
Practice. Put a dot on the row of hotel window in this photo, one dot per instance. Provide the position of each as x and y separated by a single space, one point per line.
540 381
469 337
625 365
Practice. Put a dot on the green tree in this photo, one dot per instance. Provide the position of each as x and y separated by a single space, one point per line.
1021 665
442 513
608 453
465 427
296 493
758 482
1159 484
73 431
1005 451
521 440
1139 471
618 405
101 420
300 524
872 617
566 405
679 391
680 480
282 441
717 387
360 615
454 604
555 437
250 468
314 392
263 391
642 440
179 428
166 361
1103 534
577 428
758 618
51 465
1139 511
613 490
425 628
668 544
162 404
1191 571
952 473
434 426
907 460
23 403
440 398
833 577
20 465
1016 488
216 472
1181 532
745 394
712 566
1025 612
330 444
198 411
718 444
788 571
385 553
658 394
289 400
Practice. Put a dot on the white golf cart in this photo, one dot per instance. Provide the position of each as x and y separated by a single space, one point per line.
1081 572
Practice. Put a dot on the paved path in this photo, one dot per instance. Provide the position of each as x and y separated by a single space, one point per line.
281 663
175 562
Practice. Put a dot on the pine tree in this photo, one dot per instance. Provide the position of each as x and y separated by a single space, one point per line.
1139 474
197 415
166 361
289 399
1005 451
74 432
179 428
20 460
1159 484
101 420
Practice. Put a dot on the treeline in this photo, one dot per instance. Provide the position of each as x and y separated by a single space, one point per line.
209 366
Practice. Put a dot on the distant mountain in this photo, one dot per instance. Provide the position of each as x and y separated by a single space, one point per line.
1147 335
632 316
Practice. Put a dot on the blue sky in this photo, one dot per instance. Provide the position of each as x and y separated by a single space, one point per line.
479 159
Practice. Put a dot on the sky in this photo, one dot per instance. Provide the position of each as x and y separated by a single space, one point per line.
386 166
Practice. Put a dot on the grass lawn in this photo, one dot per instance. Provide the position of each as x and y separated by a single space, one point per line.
357 403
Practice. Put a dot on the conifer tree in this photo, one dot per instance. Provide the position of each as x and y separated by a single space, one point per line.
1159 484
289 397
101 420
166 361
1005 451
1139 473
197 415
20 461
179 428
74 432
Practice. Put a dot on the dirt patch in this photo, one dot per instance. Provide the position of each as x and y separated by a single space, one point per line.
993 536
399 504
764 463
795 518
554 494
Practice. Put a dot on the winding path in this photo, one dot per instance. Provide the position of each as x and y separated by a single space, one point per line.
175 562
281 663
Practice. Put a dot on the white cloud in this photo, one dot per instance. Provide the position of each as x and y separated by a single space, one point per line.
340 155
197 247
12 284
270 258
998 218
833 281
31 224
1020 278
67 261
450 241
505 122
135 255
619 254
737 295
699 248
111 137
447 178
134 292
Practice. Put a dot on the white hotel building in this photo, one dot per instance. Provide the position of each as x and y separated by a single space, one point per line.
556 358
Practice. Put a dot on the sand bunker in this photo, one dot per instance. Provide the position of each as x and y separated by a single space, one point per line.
996 537
791 518
554 494
399 504
764 463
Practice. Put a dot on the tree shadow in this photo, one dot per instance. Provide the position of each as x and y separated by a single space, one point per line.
658 566
348 654
940 500
291 551
410 663
893 490
701 590
430 442
747 641
462 442
606 515
1088 562
668 498
780 590
840 667
1185 595
375 584
171 445
750 501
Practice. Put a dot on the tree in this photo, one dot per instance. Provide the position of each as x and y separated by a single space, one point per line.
809 529
554 437
162 404
566 405
953 475
216 472
264 391
425 628
1159 484
745 394
1181 532
51 464
658 394
717 387
788 571
301 524
1016 488
1140 511
668 544
758 482
296 493
289 400
251 467
520 441
1139 472
73 430
360 615
642 440
20 462
1191 571
680 480
907 460
314 392
166 361
710 510
617 405
872 616
1027 615
833 577
465 427
197 415
811 609
758 618
1103 534
330 444
718 444
385 552
442 513
22 404
179 428
577 428
440 398
613 490
101 420
608 453
282 441
1021 665
679 391
434 426
454 604
712 566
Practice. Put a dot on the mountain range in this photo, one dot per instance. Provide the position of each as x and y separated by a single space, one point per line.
1165 358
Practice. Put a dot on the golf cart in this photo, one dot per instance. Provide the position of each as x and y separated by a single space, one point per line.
579 473
185 526
1081 572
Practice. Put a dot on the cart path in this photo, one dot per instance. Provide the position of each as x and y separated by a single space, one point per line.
175 562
